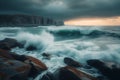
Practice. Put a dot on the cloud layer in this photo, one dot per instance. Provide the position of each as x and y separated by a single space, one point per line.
62 9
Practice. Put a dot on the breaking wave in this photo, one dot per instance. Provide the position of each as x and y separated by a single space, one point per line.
40 41
77 33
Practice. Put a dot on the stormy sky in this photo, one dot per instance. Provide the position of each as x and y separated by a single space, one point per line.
62 9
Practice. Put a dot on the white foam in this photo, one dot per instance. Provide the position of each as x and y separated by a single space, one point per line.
41 41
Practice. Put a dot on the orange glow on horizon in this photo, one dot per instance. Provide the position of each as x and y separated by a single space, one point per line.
110 21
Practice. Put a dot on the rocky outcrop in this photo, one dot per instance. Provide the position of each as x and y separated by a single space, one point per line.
71 62
70 73
17 67
109 69
9 43
48 76
31 48
11 69
27 20
46 56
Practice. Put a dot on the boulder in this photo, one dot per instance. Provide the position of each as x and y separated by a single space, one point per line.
48 76
108 70
96 63
46 55
21 58
31 48
37 66
71 62
13 69
9 43
5 46
11 55
70 73
6 54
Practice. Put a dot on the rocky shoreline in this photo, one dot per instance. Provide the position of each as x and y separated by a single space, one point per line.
23 67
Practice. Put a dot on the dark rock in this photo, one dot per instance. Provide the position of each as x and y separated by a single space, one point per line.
37 66
65 74
9 43
46 55
21 45
12 42
19 57
11 55
4 46
18 77
70 73
87 67
31 48
48 76
71 62
13 69
95 63
13 60
6 54
113 73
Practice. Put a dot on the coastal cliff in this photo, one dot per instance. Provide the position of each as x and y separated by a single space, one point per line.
27 20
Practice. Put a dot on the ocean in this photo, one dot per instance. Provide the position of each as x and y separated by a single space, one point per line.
79 43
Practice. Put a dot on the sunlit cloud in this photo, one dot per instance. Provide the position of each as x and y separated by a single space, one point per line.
111 21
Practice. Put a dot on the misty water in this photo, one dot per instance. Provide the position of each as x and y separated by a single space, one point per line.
78 43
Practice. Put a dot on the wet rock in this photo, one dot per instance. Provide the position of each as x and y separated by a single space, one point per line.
13 69
9 43
87 67
4 46
37 66
18 57
6 54
71 62
12 42
36 62
70 73
48 76
11 55
96 63
113 73
46 55
31 48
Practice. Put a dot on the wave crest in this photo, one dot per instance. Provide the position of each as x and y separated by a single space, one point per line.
40 41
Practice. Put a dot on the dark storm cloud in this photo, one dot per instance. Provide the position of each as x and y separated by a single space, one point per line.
62 9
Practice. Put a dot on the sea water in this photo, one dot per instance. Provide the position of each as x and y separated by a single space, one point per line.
79 43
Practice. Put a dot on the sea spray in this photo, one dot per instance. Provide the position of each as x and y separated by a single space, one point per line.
41 41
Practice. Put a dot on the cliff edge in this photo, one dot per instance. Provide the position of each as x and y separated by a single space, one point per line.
27 20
